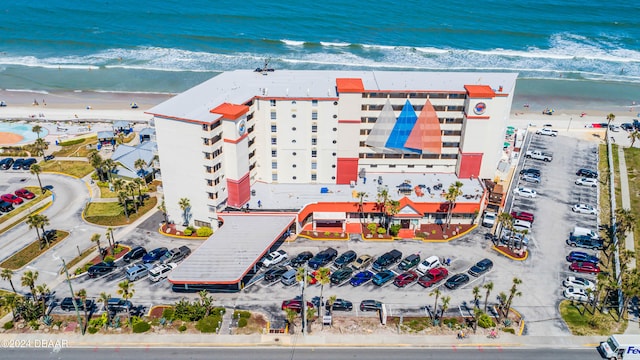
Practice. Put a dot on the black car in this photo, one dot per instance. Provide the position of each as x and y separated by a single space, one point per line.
5 206
409 262
370 305
456 281
101 269
301 259
135 254
274 273
323 258
481 267
50 235
531 171
67 304
340 305
626 126
154 255
345 259
26 165
585 241
386 260
116 305
17 165
6 163
341 275
49 157
587 173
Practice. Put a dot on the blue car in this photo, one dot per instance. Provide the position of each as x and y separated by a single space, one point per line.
383 277
361 278
582 257
154 255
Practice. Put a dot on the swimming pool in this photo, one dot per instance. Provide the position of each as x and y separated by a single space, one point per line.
23 130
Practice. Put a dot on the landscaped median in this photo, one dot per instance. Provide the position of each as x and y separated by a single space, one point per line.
112 213
33 206
77 169
30 252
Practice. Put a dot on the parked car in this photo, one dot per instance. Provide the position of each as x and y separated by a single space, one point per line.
521 225
584 267
323 258
362 262
585 241
301 259
6 163
134 254
383 277
525 192
161 271
17 165
49 157
456 281
582 256
523 215
433 276
387 260
101 269
274 274
361 278
586 182
138 271
579 283
67 304
289 278
50 235
116 305
429 263
409 262
154 255
481 267
584 209
5 206
341 275
175 255
370 305
345 259
295 305
489 219
531 178
340 305
25 194
405 279
11 199
26 165
531 171
586 173
577 294
274 258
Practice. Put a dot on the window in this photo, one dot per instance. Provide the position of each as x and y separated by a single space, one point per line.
314 141
335 129
314 165
293 102
334 154
274 128
294 165
274 141
314 177
293 141
333 178
216 181
314 102
274 153
273 115
334 141
293 116
205 127
217 166
314 116
206 141
208 169
273 102
335 116
314 153
333 166
207 156
274 177
314 128
294 153
274 164
335 103
209 182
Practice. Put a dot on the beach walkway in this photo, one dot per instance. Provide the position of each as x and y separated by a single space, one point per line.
626 201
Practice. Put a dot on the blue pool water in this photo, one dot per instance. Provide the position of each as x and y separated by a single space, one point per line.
23 130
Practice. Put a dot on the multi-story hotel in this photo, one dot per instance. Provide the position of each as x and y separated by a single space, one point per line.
242 129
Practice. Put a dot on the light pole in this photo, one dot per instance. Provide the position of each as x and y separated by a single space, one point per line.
303 286
73 297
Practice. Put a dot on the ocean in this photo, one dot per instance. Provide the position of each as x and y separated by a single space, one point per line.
587 53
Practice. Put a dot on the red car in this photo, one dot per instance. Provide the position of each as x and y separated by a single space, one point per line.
11 199
433 277
405 279
295 305
522 215
24 193
584 267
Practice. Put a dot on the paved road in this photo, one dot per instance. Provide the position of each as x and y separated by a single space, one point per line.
301 353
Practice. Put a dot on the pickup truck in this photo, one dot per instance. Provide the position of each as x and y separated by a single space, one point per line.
547 131
539 155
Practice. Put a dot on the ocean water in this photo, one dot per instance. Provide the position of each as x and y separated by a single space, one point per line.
169 45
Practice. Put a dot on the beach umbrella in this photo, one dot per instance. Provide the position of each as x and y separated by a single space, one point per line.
506 144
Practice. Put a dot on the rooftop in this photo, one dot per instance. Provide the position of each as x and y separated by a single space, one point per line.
232 250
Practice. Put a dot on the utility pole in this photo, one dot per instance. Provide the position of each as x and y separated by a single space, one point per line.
73 297
303 286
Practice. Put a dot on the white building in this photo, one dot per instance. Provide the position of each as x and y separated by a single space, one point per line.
218 139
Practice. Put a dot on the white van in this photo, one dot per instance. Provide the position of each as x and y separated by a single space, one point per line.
489 219
161 272
580 231
138 271
429 263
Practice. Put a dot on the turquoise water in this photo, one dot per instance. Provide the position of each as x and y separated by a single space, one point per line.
23 130
170 45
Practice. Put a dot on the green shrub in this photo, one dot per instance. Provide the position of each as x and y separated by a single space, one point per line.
242 322
394 229
58 323
79 271
509 330
8 325
485 321
99 322
182 328
372 227
218 311
204 231
71 142
34 324
168 314
327 233
451 323
381 230
188 232
109 259
241 314
141 326
209 324
118 250
92 330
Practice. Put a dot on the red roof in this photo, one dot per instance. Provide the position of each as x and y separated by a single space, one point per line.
480 91
349 85
230 111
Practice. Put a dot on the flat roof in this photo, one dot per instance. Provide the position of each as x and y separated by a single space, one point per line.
228 255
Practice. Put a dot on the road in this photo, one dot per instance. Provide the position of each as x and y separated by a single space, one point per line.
302 353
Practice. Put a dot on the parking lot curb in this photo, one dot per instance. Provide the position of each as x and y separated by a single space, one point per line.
21 219
509 256
323 239
521 329
373 239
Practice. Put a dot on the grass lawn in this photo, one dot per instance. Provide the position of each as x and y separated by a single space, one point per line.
30 252
112 214
79 150
79 258
14 213
581 322
632 157
105 192
78 169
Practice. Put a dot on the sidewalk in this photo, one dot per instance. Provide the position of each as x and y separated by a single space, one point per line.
626 200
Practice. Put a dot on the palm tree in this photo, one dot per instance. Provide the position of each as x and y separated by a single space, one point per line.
111 239
96 239
291 317
513 292
36 170
140 165
185 204
42 290
436 293
82 295
610 118
163 207
118 184
126 290
29 279
382 199
152 164
104 299
108 165
445 306
131 189
40 146
122 198
625 220
37 129
34 221
633 136
476 296
96 162
7 274
506 221
452 194
488 286
11 301
332 300
630 286
361 196
139 183
323 276
206 301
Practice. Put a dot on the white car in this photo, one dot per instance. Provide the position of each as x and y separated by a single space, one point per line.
584 209
275 257
573 293
587 182
579 283
160 272
525 192
547 131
